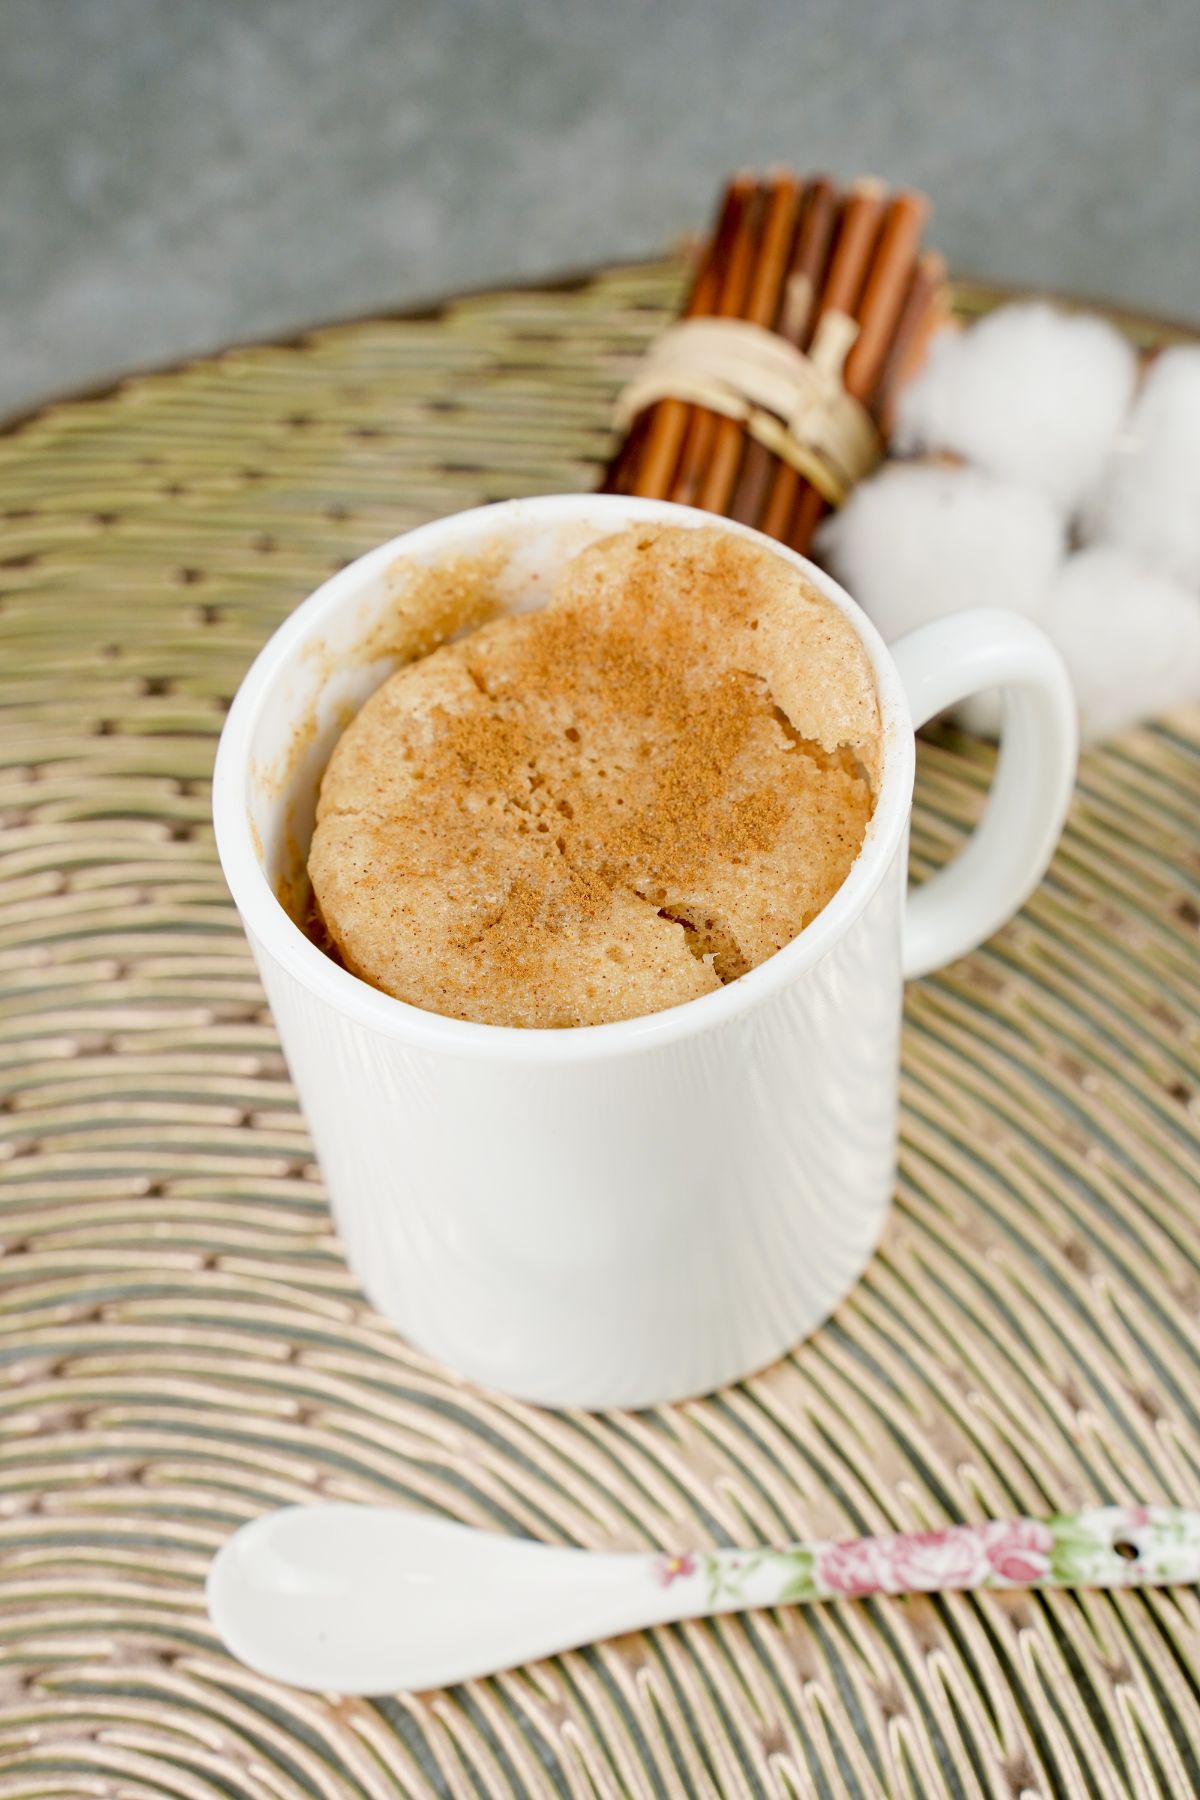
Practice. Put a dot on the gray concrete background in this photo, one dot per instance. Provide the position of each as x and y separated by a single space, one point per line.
175 174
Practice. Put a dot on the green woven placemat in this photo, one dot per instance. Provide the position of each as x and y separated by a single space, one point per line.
182 1344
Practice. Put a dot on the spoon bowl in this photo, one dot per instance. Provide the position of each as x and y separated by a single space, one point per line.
367 1600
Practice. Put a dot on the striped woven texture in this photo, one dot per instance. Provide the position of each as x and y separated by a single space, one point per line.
182 1345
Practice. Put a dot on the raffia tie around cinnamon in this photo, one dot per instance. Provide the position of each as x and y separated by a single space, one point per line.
795 405
838 286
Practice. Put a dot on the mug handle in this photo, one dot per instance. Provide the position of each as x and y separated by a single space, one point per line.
1006 856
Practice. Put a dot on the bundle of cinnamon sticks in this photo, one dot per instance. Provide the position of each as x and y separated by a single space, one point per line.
784 254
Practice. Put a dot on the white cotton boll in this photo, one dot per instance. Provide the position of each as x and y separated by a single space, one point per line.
919 541
1029 392
1129 636
1148 498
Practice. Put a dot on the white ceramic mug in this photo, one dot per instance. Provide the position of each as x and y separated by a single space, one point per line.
624 1214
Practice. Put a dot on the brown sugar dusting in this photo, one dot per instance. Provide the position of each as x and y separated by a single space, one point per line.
428 605
431 603
513 939
485 749
609 806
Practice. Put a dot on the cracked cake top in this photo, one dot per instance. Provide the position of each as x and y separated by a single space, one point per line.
608 806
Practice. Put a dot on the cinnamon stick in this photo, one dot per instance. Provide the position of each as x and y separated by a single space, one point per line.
857 233
810 254
883 295
650 467
781 203
919 318
936 315
702 424
877 312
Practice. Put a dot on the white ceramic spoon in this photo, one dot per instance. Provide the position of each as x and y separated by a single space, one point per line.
365 1600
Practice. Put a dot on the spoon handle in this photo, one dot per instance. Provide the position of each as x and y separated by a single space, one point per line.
1107 1546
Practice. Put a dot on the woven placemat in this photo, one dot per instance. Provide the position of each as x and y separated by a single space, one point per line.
182 1344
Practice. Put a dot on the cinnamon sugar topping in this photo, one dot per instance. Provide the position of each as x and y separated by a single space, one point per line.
612 805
